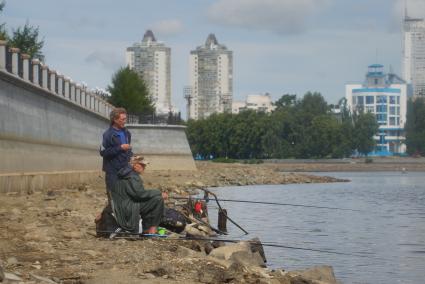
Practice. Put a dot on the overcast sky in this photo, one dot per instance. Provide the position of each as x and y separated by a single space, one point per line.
279 46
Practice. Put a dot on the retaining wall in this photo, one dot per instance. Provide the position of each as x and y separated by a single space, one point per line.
45 139
51 129
165 146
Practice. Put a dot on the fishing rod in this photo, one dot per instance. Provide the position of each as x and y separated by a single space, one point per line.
206 198
270 203
133 236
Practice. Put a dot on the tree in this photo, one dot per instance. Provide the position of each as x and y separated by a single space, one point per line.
365 127
3 32
129 91
415 126
26 39
286 100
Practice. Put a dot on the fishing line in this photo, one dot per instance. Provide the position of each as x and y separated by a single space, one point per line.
272 203
136 236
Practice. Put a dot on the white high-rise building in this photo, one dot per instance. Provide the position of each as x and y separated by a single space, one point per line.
414 54
151 60
210 79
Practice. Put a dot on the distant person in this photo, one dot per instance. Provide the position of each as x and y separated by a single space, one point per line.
131 201
116 148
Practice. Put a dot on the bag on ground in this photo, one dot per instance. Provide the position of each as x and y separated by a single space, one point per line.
173 220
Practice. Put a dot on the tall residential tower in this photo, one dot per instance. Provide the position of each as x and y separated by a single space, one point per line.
210 79
413 63
151 60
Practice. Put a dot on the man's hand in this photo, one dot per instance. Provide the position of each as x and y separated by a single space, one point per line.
164 195
125 147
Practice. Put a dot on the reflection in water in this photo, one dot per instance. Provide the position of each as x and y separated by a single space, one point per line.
389 231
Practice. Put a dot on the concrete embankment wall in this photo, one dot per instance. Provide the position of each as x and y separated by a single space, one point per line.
51 129
45 140
166 147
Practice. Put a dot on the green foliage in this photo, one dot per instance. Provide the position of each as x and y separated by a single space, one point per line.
415 127
296 129
3 32
286 100
365 126
129 91
26 39
368 160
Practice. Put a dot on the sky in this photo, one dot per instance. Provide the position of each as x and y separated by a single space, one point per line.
279 46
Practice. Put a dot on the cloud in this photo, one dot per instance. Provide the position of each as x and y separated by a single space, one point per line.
169 27
278 16
107 59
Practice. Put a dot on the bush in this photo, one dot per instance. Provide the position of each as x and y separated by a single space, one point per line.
368 160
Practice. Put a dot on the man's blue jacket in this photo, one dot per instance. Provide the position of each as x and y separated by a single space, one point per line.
114 158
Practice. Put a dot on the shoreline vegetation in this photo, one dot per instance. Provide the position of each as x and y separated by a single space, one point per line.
48 236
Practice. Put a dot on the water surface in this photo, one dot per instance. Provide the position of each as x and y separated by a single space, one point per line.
387 236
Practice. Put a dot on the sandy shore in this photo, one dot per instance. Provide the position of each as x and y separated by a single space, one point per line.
50 234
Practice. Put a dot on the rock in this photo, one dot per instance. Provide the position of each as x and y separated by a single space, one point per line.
12 261
208 247
205 229
198 184
36 266
323 273
12 277
163 270
191 230
213 274
256 246
183 252
42 279
217 244
150 276
247 258
240 253
1 273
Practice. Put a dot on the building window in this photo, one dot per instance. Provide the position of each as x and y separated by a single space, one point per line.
381 108
360 100
398 100
392 110
369 109
392 100
381 99
354 99
370 100
381 117
376 81
392 120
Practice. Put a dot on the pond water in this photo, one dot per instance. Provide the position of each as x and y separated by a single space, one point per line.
385 238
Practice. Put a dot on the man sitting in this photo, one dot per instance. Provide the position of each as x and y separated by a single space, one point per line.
131 201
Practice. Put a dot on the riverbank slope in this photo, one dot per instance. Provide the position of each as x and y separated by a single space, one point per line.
49 234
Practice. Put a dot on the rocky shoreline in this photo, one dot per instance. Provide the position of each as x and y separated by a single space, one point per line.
49 237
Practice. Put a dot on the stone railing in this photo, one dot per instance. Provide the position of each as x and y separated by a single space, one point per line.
35 72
